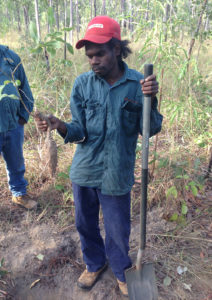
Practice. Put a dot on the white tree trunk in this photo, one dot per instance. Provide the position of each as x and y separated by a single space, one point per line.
71 22
37 19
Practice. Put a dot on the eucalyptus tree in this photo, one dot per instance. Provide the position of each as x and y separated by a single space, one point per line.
37 18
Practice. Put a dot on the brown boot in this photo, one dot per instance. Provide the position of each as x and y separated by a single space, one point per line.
123 288
24 201
88 279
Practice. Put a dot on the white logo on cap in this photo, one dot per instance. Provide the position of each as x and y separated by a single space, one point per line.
96 26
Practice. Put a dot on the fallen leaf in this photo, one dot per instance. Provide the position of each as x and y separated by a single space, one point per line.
40 256
34 283
187 286
167 281
181 270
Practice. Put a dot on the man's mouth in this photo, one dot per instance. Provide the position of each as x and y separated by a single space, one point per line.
96 70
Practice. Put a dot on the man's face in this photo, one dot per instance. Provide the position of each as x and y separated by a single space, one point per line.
101 58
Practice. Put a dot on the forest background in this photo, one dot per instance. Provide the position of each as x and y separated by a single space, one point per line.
175 36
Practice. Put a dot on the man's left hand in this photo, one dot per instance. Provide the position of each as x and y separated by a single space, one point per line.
149 86
21 121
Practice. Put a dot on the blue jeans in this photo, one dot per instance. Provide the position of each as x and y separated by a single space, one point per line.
11 148
116 214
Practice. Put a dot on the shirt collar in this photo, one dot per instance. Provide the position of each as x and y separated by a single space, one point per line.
128 75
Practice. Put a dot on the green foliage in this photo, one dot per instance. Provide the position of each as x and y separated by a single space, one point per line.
3 272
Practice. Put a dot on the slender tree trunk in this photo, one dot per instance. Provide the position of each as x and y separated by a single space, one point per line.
26 19
94 7
91 6
65 34
165 20
57 15
103 8
71 22
131 10
18 16
196 32
37 19
146 17
123 13
48 25
77 18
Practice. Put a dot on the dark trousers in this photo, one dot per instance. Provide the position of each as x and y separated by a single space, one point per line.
116 214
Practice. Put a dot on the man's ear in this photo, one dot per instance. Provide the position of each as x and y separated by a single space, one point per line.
117 49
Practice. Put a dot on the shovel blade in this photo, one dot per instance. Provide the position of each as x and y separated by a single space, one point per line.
141 284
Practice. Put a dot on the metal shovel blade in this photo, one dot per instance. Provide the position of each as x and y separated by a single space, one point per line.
141 283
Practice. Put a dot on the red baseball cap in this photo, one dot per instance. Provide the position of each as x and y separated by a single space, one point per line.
100 30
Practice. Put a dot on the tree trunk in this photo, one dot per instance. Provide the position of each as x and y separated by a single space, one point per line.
18 16
196 32
26 19
94 7
131 9
146 17
71 22
65 34
48 25
165 20
57 15
91 6
123 10
77 18
37 19
103 8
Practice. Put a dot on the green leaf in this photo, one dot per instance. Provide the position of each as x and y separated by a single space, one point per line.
194 190
174 217
7 82
1 262
40 256
36 50
51 50
59 187
163 162
33 32
70 48
184 208
63 175
172 191
18 82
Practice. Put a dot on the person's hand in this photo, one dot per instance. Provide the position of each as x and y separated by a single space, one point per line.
21 121
149 86
50 121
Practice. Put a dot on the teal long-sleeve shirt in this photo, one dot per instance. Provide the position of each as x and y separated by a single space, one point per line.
106 121
15 101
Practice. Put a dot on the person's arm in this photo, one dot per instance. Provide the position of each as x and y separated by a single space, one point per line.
27 101
73 132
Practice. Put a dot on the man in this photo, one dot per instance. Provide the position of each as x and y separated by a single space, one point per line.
106 106
16 102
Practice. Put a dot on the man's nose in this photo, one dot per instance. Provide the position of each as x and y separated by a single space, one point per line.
95 60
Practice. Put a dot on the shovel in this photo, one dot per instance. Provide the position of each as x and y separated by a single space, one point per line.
141 277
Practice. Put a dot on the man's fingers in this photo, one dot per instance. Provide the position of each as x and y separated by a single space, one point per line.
151 78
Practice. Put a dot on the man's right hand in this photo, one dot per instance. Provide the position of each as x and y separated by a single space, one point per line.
51 121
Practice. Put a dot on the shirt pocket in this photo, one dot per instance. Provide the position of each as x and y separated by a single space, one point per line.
94 114
130 114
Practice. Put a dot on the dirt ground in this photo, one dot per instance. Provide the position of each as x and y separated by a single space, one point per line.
41 259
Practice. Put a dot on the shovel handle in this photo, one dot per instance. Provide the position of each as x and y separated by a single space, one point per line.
148 70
